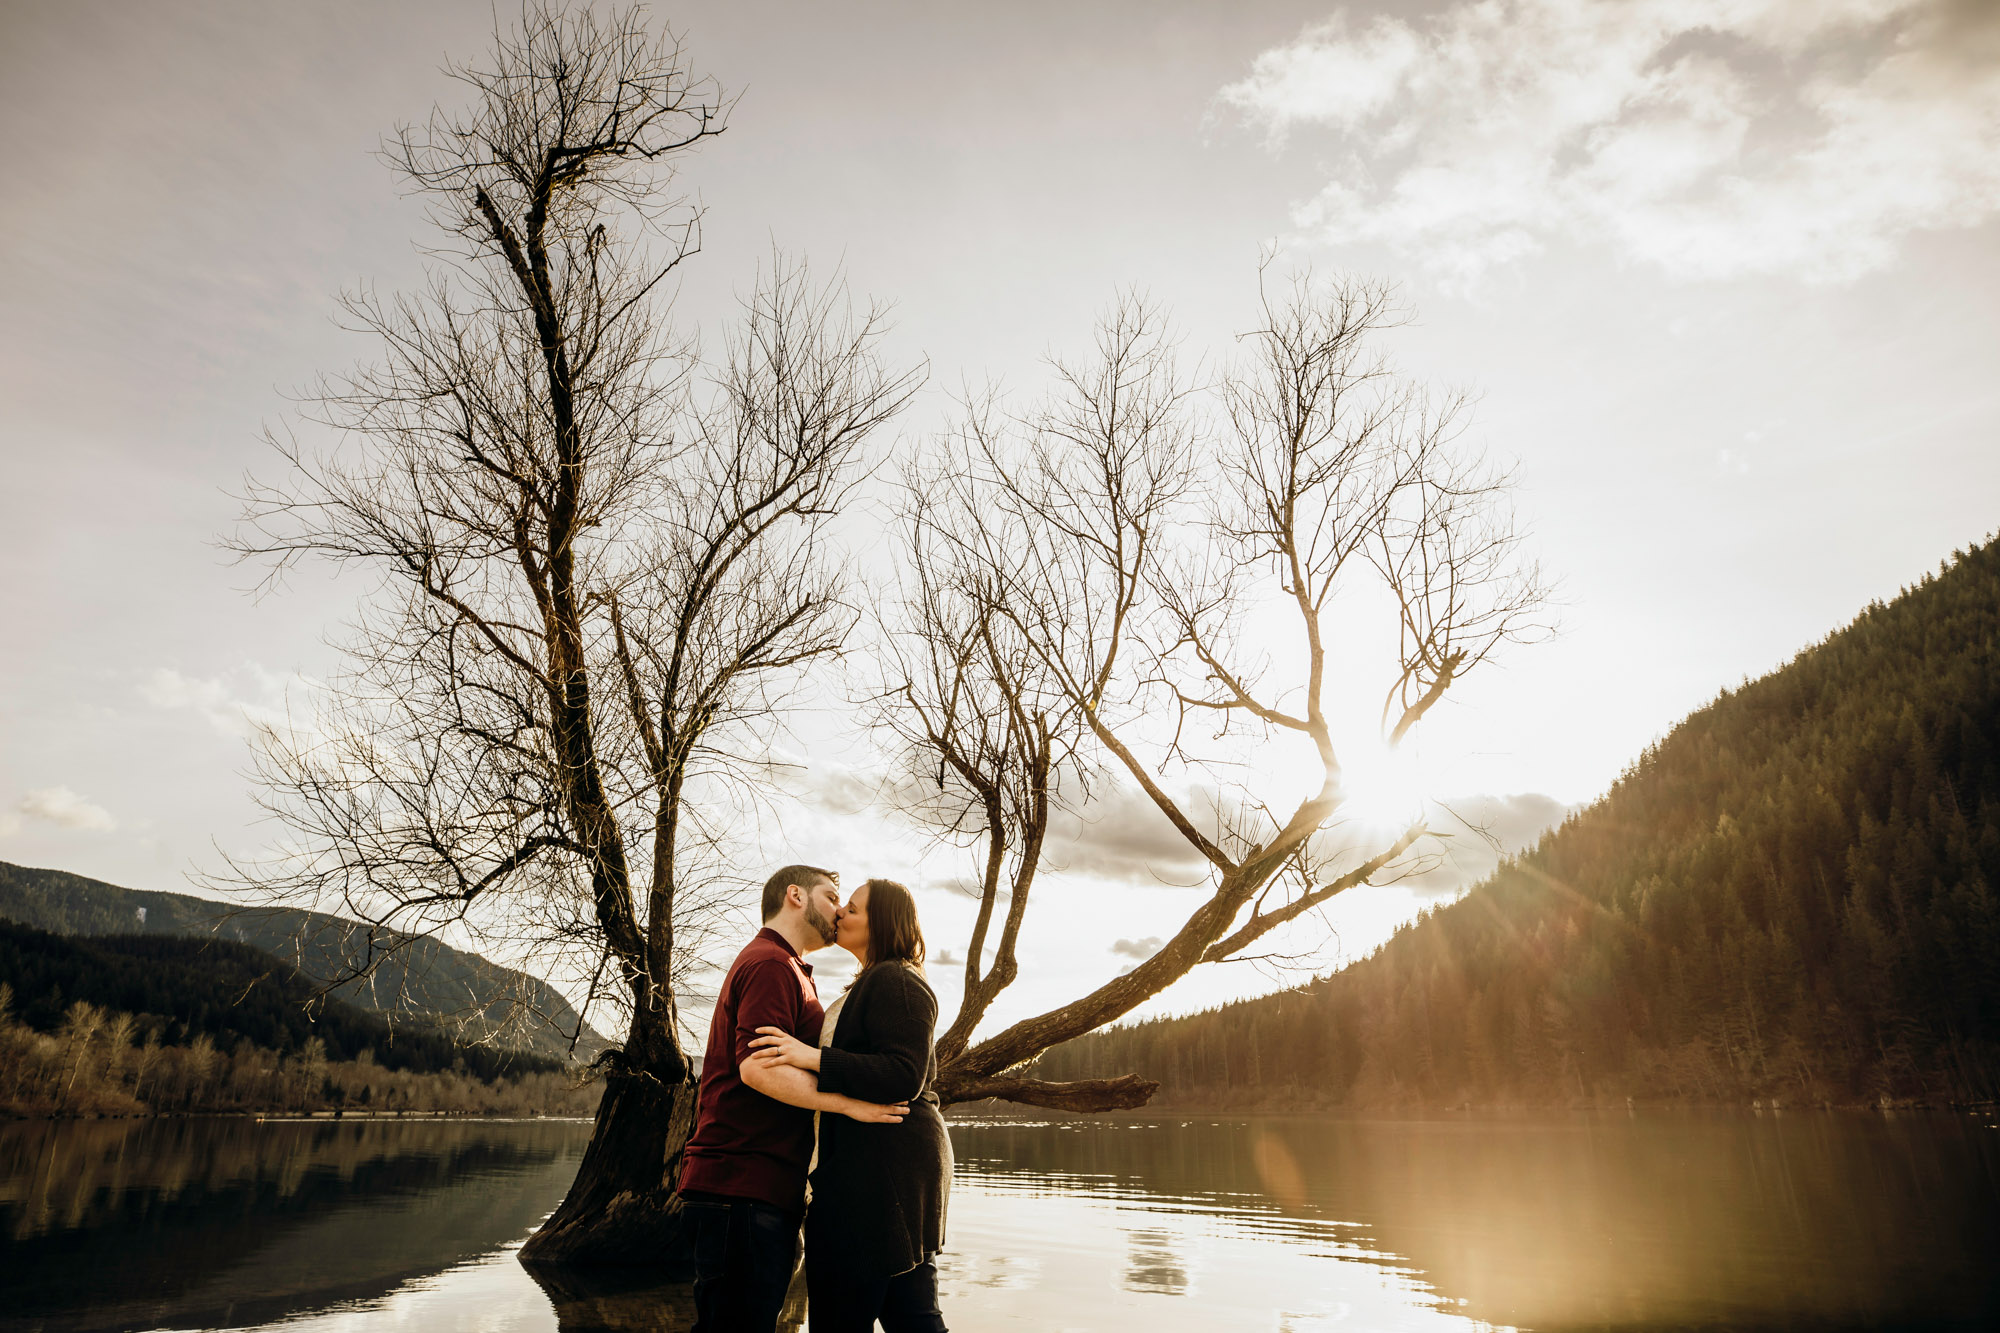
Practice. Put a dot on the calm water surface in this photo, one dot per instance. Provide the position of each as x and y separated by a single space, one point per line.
1167 1223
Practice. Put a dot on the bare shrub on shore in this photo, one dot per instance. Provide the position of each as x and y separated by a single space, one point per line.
104 1063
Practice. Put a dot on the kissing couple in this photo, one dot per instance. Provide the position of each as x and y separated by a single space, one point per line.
823 1117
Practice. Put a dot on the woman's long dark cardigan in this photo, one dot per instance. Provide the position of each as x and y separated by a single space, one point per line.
878 1193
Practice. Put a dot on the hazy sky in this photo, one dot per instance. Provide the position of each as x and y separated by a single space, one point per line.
1724 273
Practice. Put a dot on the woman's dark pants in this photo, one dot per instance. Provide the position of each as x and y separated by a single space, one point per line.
839 1301
744 1256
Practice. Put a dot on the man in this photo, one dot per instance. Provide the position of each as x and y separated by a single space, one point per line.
743 1176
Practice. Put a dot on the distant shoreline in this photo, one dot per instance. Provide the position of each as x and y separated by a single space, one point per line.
973 1111
304 1118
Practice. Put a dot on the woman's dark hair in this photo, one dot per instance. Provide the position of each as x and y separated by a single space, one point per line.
893 932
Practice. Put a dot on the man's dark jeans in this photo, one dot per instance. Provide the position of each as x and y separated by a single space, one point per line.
744 1255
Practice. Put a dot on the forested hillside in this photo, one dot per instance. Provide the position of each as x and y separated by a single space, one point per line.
1791 897
181 989
126 1025
422 979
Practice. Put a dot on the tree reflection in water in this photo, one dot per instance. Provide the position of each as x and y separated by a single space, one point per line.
1154 1265
615 1302
228 1222
1165 1223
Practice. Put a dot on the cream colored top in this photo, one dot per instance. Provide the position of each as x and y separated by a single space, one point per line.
826 1024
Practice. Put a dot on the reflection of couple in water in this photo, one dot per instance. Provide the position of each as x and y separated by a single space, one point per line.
821 1115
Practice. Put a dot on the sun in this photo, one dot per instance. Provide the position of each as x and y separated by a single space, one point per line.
1382 788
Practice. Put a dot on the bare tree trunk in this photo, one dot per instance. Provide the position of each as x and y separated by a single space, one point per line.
1127 1092
601 567
621 1209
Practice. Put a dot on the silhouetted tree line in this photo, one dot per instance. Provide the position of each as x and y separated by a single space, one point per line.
1791 898
124 1025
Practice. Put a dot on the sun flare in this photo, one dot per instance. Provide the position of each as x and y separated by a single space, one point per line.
1380 787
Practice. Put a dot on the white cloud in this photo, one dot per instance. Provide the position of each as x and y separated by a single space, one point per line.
1479 831
840 788
66 809
1711 138
236 703
1121 835
1139 949
1118 834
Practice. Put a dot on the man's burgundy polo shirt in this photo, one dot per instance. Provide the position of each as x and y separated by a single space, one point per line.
747 1145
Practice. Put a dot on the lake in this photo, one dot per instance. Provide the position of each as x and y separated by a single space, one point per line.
1650 1220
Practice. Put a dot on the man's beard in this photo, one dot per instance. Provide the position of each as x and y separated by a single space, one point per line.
821 922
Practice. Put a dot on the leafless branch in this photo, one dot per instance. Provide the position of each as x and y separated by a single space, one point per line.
1086 571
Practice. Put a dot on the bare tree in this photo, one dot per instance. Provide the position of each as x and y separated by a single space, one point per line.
968 698
1079 583
599 567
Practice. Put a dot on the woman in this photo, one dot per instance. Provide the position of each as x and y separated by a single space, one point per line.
876 1218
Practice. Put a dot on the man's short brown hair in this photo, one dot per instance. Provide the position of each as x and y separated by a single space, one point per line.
803 876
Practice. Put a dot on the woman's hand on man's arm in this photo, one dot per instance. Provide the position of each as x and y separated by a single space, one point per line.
775 1046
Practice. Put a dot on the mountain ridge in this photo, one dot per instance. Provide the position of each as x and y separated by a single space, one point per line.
424 979
179 988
